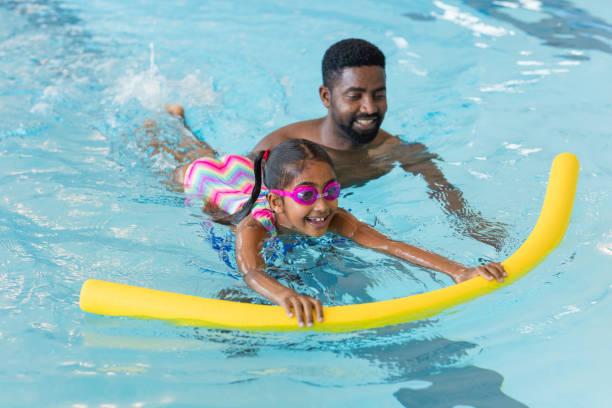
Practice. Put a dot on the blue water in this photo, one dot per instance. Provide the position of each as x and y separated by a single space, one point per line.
496 89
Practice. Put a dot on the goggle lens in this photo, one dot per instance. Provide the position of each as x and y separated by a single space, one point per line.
332 191
307 194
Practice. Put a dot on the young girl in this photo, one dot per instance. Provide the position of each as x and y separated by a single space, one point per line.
293 188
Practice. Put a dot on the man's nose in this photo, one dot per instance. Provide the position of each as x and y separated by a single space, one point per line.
367 105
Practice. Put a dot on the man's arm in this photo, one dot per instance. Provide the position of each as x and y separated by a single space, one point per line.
418 161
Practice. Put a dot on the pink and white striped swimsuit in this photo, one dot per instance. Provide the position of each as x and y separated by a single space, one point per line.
227 184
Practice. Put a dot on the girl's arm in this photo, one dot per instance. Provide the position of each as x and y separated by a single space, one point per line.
346 225
250 236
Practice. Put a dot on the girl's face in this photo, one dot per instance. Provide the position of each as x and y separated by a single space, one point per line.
312 219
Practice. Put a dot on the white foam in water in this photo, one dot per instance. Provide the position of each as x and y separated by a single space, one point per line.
153 90
511 146
194 91
149 87
479 175
526 152
508 86
50 94
534 5
41 108
529 63
571 309
400 42
544 72
506 4
605 248
522 151
453 14
568 63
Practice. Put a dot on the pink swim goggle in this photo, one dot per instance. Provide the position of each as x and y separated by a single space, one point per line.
307 195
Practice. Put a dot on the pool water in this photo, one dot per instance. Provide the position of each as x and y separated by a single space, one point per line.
495 88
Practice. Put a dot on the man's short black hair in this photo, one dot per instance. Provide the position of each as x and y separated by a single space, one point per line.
352 52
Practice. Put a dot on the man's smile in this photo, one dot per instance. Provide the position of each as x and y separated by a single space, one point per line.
366 122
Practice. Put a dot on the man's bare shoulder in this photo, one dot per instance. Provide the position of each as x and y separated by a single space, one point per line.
307 129
389 140
385 141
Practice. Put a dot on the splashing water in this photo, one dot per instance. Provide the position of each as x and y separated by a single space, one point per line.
153 90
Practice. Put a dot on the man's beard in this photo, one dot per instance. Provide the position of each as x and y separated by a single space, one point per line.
362 137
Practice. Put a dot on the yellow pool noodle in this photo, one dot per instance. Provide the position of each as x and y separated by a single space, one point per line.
116 299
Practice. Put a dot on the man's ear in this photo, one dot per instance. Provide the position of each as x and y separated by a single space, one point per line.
325 95
276 203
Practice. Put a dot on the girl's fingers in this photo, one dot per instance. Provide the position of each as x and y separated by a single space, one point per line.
315 308
499 271
318 310
307 310
303 306
484 272
285 304
299 312
494 271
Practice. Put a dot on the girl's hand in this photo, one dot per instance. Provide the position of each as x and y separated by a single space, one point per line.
490 271
303 307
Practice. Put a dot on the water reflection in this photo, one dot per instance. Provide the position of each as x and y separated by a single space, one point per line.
406 361
464 386
435 366
562 24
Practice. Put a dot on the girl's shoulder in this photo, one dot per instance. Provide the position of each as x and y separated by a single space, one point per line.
264 216
251 228
261 219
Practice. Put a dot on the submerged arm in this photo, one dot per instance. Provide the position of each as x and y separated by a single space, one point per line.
346 225
250 236
468 221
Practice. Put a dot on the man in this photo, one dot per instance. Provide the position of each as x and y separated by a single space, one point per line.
354 93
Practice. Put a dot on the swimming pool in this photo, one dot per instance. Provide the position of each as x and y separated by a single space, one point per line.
496 89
